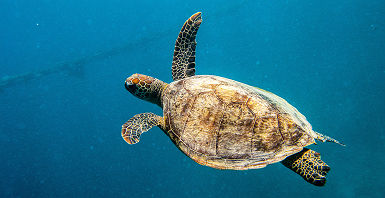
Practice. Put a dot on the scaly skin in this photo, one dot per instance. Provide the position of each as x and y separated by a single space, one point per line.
309 165
140 123
146 88
183 63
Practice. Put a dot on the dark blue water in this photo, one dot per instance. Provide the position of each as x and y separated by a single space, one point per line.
60 130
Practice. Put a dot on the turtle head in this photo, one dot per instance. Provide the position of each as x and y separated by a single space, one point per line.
145 87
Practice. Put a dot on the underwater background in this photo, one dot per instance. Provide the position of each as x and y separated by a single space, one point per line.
63 101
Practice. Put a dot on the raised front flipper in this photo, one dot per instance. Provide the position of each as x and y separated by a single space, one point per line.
183 63
140 123
309 165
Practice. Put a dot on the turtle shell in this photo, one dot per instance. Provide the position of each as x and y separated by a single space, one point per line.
226 124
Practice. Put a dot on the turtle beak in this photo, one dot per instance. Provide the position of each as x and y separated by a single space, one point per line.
130 86
127 84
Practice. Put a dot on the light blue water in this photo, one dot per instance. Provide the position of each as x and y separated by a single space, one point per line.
60 133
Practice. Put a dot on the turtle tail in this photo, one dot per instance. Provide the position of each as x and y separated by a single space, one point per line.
325 138
308 164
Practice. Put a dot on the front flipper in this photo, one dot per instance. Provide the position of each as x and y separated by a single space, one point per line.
140 123
183 63
309 165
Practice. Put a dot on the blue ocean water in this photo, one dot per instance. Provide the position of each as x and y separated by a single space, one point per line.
62 98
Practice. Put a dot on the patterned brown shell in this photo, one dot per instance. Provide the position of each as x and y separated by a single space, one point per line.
226 124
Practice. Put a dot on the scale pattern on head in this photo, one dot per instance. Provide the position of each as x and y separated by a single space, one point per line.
145 87
183 63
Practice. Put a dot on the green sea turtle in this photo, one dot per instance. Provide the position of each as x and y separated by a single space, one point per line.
222 123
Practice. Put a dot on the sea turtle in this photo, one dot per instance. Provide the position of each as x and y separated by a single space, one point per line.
222 123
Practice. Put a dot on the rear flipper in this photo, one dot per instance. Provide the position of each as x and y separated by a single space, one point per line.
309 165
